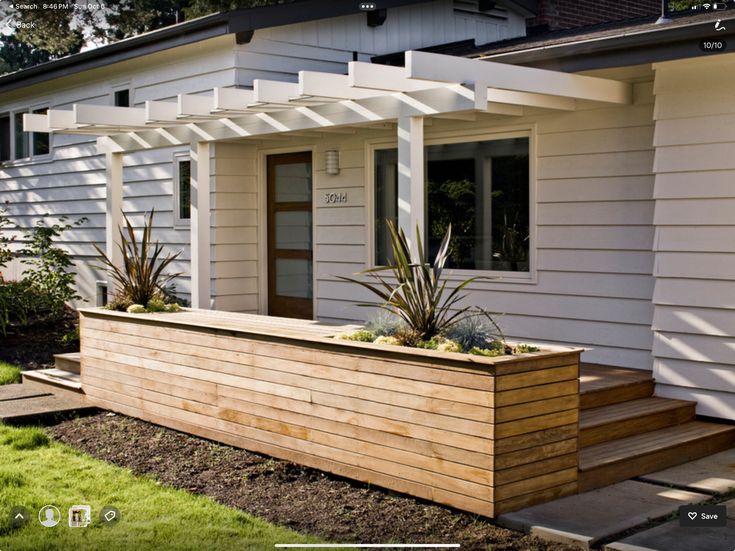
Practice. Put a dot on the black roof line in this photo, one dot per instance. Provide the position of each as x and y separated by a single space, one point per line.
635 45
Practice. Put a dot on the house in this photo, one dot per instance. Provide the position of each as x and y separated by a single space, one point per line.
606 155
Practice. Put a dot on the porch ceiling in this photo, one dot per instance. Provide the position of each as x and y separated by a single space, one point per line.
430 85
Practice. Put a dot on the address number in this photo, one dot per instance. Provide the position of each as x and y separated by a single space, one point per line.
333 198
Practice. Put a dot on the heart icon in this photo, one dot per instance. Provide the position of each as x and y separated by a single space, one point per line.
692 515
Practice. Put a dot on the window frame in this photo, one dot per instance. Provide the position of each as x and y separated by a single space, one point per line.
9 116
30 157
179 157
462 136
120 86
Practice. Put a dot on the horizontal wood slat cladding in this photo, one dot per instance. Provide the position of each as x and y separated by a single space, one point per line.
481 434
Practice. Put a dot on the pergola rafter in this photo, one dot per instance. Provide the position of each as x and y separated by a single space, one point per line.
431 85
406 98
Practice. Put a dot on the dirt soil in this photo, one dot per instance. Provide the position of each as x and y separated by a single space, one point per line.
304 499
34 347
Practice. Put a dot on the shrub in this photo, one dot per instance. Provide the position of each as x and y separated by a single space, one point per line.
71 338
5 253
525 349
474 331
385 324
141 278
21 303
393 341
361 335
495 348
48 265
419 297
441 344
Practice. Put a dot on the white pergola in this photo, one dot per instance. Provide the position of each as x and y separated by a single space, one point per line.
430 85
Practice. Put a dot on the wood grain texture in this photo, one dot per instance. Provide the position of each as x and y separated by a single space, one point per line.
425 424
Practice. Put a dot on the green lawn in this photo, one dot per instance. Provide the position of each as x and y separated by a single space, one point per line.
9 373
35 472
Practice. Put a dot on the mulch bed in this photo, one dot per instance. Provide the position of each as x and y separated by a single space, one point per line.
304 499
35 346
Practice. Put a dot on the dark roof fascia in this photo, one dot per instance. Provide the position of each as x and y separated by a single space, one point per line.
530 7
189 32
631 48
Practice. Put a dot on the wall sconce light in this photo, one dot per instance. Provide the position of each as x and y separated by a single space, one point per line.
332 162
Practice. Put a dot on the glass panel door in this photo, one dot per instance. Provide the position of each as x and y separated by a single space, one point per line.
290 272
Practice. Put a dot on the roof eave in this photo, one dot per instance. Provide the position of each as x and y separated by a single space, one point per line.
629 48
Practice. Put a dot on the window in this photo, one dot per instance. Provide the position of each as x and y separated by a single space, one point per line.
182 189
122 98
17 144
4 138
40 140
481 188
21 138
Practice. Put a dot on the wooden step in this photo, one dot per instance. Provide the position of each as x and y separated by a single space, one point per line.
604 464
605 423
602 385
55 381
68 362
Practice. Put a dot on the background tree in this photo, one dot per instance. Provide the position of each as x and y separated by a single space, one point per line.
682 5
61 32
15 55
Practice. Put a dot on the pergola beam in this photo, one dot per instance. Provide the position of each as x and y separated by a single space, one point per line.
107 115
446 68
194 106
232 99
327 85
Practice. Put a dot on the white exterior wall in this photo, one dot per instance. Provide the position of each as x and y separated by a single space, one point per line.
594 226
235 229
71 181
694 321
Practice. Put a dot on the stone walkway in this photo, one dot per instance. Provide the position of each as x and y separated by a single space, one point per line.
591 519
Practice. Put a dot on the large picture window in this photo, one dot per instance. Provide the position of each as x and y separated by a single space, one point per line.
481 188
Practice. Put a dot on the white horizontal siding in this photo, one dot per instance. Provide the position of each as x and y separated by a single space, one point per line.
235 232
72 182
694 318
594 234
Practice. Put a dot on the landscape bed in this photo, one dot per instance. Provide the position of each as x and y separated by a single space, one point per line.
486 435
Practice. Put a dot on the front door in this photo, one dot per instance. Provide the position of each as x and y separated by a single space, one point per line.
290 272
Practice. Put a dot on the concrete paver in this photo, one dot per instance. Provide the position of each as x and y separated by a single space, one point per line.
26 409
715 473
672 537
587 518
15 392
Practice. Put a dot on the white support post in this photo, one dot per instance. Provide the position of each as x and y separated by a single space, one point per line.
411 177
200 226
113 210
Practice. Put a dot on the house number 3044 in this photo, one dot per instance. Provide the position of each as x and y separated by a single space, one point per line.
333 198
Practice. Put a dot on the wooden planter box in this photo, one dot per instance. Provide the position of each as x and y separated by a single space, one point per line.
486 435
